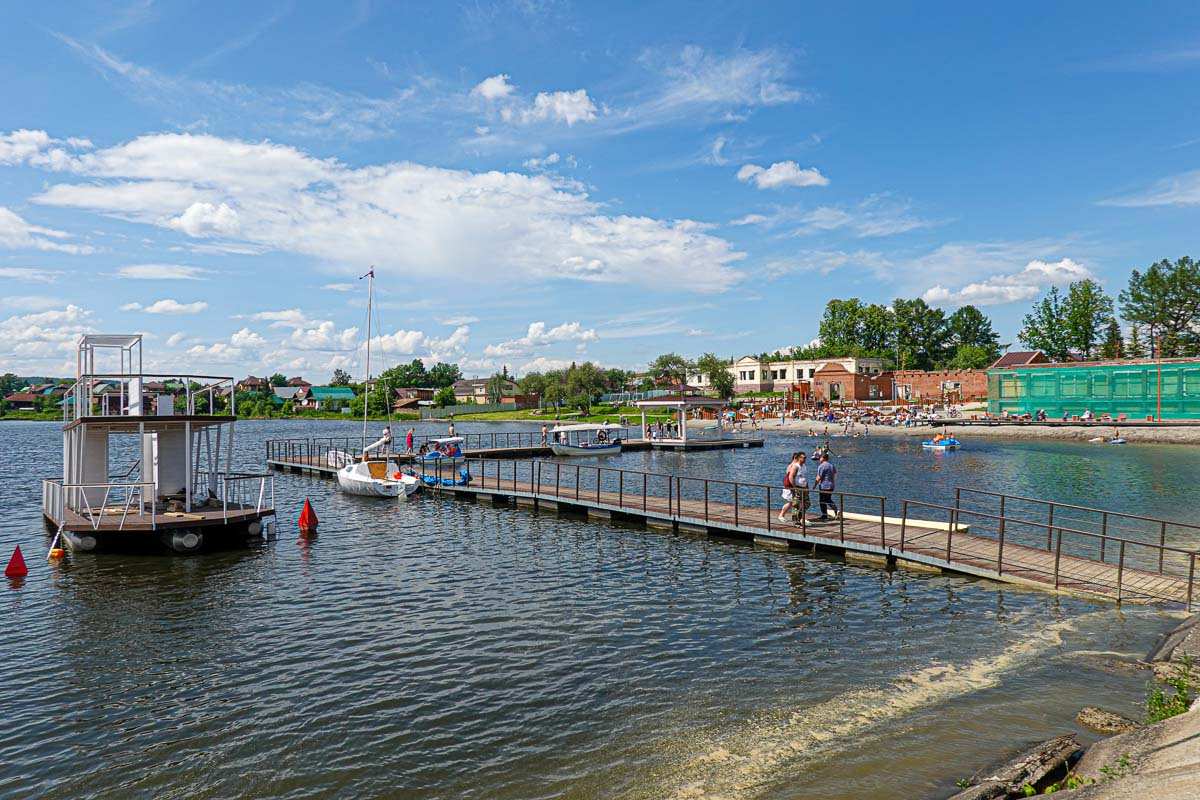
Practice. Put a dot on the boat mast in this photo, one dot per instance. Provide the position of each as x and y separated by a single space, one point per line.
367 383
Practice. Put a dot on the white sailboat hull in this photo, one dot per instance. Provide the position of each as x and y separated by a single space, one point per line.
359 479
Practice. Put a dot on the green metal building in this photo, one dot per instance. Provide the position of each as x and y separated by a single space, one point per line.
1105 387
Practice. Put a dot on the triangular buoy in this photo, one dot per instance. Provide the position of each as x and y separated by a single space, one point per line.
16 565
308 518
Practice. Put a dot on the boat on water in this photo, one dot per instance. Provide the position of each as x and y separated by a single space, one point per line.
586 440
367 476
444 451
174 486
941 443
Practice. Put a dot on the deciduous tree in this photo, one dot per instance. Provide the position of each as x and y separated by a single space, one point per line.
1086 311
1044 327
1165 301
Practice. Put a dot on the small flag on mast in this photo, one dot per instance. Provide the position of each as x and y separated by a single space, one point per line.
370 274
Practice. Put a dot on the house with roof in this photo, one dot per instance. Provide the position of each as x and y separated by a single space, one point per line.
323 398
21 401
253 384
411 398
835 383
1020 358
752 374
474 390
299 383
284 393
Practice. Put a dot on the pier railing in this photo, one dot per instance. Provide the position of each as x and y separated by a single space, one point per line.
125 394
1034 549
688 499
122 498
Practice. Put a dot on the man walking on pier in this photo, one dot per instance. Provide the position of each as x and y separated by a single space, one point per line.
826 474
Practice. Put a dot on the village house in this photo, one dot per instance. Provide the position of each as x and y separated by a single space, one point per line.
323 398
253 384
299 383
411 398
474 390
21 401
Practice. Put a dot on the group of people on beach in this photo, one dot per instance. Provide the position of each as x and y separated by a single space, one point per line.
796 487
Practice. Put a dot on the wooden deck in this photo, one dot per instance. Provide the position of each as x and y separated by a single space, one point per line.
1109 557
917 541
110 521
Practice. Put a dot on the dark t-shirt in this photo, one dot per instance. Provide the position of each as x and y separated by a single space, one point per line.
825 476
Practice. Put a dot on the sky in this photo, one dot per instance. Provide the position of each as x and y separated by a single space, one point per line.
538 182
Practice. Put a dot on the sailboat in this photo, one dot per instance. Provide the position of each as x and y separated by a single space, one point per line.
380 478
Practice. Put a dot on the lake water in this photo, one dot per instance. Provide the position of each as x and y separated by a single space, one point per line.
440 649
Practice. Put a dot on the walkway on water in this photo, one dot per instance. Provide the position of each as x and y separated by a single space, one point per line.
311 455
1014 539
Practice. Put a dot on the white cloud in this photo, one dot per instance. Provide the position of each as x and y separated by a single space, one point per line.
539 336
246 338
496 87
339 287
417 343
459 319
161 272
781 174
17 234
1179 190
167 306
541 163
29 275
324 336
697 84
877 216
288 318
205 219
1011 288
42 340
568 107
825 262
543 364
176 339
426 221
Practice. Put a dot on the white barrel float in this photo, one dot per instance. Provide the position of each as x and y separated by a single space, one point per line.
182 541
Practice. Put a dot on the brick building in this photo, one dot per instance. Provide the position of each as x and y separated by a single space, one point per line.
833 383
954 385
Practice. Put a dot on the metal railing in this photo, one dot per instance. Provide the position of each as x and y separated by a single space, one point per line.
1052 552
128 393
679 497
125 498
238 489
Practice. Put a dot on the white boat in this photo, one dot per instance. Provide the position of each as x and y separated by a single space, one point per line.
366 477
942 444
589 440
445 451
377 479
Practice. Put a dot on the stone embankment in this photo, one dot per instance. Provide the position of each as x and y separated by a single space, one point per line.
1155 762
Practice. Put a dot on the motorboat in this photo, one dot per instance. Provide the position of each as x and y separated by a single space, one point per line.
379 477
586 440
445 451
941 443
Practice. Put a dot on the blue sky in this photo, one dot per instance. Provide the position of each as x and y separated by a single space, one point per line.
540 182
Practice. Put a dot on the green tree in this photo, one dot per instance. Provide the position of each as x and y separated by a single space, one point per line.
554 390
1044 327
671 368
495 387
441 375
289 407
444 397
969 326
406 375
1114 343
1086 312
1136 348
970 356
1165 301
533 383
720 380
840 325
877 330
617 380
9 384
921 333
585 384
278 379
340 378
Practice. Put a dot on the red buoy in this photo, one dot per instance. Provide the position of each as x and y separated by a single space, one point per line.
308 518
16 565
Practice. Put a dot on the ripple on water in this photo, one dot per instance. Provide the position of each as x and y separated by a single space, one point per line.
442 649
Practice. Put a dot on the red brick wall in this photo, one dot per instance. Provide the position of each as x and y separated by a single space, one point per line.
927 385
